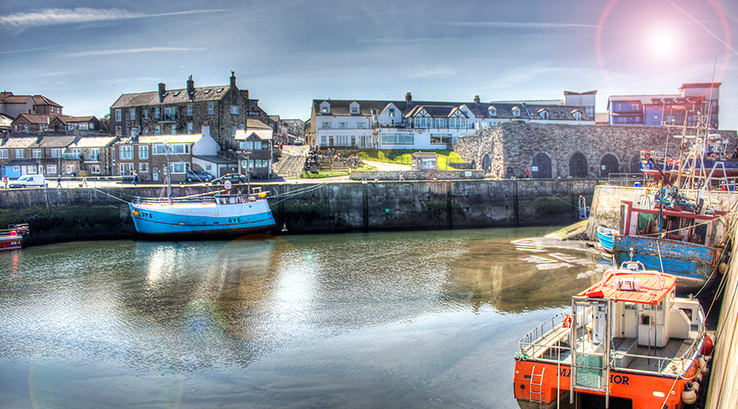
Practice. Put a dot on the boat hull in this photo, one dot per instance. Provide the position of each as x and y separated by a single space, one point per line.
604 235
646 391
201 218
692 263
11 242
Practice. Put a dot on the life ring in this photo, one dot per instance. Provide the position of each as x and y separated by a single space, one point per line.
567 321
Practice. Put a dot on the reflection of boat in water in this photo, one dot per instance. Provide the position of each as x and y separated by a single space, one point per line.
628 338
12 237
676 235
604 236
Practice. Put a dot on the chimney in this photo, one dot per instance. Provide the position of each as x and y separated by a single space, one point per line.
162 91
476 99
233 79
409 99
191 87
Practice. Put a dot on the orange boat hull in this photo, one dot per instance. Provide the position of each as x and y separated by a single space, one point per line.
645 391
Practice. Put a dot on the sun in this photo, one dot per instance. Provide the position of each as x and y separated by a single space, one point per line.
662 41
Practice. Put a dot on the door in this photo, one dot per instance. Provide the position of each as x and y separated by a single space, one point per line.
541 166
578 166
609 164
155 174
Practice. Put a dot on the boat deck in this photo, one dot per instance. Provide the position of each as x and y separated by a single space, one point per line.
626 352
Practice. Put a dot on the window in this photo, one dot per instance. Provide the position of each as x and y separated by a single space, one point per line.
516 112
177 148
441 139
20 153
143 167
398 138
170 114
133 114
174 129
126 169
211 108
233 131
179 167
361 125
392 112
94 154
325 125
635 107
189 110
325 108
189 127
439 122
655 119
234 109
95 169
343 125
126 152
620 107
577 115
157 113
143 152
36 153
492 111
544 115
50 169
118 114
354 108
4 153
157 131
146 114
56 152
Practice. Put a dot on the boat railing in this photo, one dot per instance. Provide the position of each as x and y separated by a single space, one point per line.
551 330
20 229
221 199
627 179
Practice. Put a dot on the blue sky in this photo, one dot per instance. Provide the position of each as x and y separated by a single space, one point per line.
84 54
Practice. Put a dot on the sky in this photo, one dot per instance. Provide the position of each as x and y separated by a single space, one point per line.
84 54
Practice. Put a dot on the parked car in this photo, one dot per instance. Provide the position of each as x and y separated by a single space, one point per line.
29 181
231 177
299 141
199 176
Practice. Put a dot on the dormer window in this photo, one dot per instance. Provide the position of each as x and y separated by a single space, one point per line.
492 111
325 108
355 109
516 112
577 115
543 114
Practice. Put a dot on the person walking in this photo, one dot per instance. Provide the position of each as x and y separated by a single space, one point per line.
5 180
135 176
58 182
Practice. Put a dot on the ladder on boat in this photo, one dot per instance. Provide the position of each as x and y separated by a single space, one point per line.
536 385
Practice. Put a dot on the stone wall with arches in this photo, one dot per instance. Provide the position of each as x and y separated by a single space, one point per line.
517 149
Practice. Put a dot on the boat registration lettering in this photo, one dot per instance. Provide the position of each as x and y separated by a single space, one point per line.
15 243
234 220
618 379
146 215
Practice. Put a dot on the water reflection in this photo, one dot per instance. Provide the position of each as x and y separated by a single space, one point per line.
293 321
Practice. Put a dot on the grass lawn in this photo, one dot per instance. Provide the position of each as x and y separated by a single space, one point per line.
333 173
404 156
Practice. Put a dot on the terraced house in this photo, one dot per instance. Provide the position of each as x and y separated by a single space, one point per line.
432 125
218 111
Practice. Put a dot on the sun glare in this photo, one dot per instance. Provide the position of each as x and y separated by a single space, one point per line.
662 42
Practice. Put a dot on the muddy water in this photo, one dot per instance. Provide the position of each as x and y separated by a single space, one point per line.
419 319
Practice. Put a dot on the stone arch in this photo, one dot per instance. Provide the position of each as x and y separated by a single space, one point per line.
542 163
635 162
578 166
487 163
609 164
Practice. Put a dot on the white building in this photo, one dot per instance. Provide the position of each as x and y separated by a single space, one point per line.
431 125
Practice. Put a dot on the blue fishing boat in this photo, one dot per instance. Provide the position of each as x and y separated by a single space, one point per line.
604 236
208 214
676 236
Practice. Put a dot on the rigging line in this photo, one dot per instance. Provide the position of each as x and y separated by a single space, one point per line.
108 194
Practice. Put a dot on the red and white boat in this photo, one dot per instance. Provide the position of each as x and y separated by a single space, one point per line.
628 340
12 237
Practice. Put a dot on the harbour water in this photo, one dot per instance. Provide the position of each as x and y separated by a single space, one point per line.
410 319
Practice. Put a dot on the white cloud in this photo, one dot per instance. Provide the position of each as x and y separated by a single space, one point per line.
504 24
48 17
131 51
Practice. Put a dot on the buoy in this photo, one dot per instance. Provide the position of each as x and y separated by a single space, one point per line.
689 396
722 267
135 213
698 377
696 387
262 194
707 347
567 321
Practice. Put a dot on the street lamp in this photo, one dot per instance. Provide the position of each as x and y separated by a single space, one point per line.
247 170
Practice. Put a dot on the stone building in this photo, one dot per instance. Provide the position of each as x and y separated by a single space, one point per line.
217 111
507 149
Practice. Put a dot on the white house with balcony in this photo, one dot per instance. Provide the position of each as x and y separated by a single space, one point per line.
424 125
